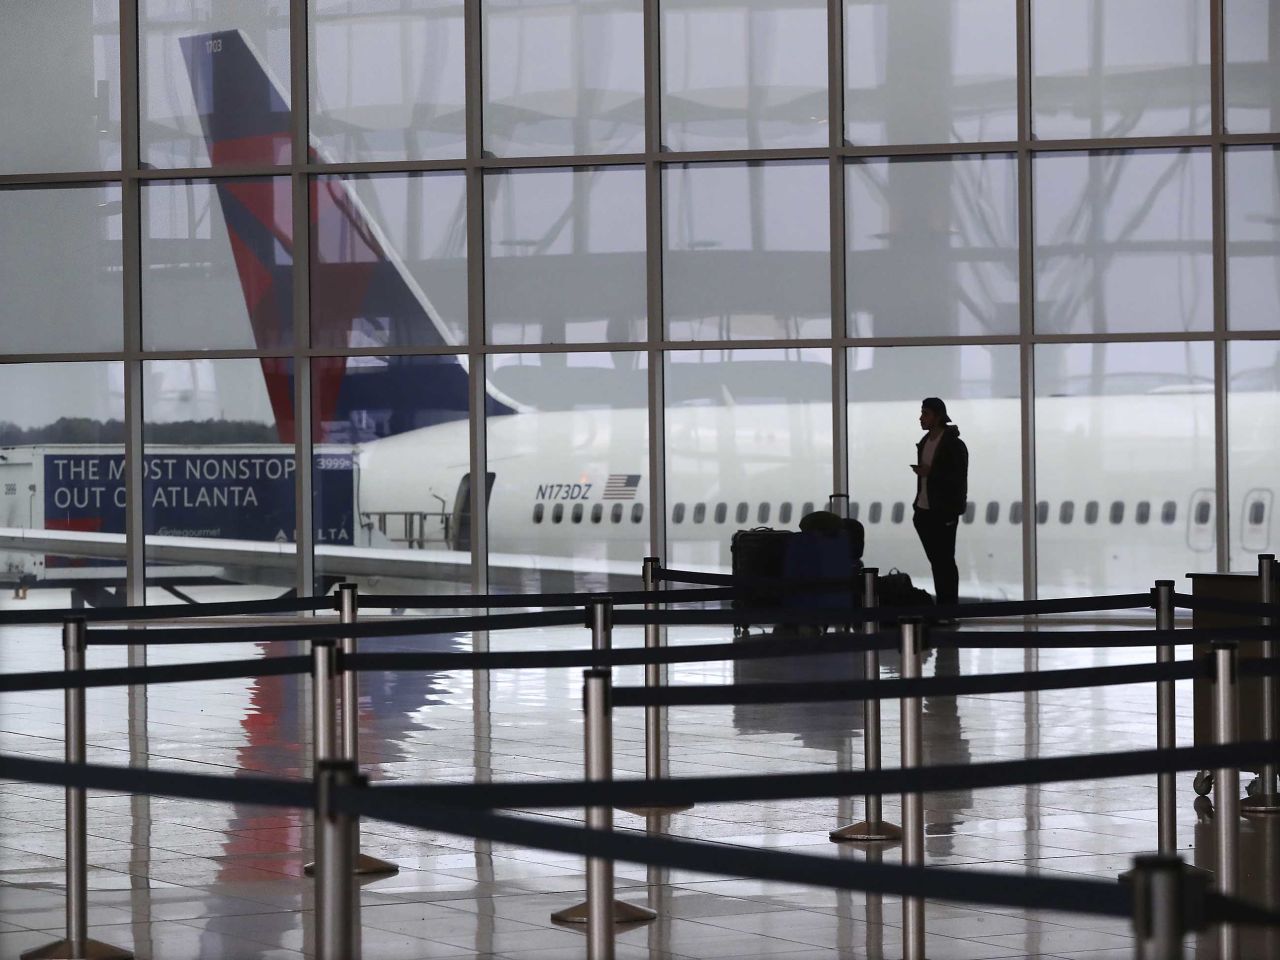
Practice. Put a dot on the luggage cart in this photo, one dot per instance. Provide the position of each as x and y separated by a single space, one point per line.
1225 586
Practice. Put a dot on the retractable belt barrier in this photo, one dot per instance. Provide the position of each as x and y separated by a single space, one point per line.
167 612
699 653
387 803
410 600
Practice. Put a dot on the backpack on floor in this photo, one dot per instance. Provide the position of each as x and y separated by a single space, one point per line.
895 589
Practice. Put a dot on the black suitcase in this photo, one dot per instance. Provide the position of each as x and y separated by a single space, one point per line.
758 554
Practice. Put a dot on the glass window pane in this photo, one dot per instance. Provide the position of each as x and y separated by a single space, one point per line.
391 473
572 430
744 425
219 471
386 80
747 251
1253 239
1124 423
924 71
214 82
1123 68
564 77
60 270
217 264
744 74
932 246
566 255
1123 242
61 478
1253 456
60 86
389 261
980 387
1252 69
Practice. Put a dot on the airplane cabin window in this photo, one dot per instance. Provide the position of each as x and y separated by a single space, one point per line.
677 513
1091 512
808 509
970 511
597 513
615 515
740 515
1143 512
873 513
1015 512
784 513
699 512
557 513
722 512
1257 514
1042 511
576 514
762 515
993 511
637 512
1066 512
1117 511
853 510
1202 513
538 510
1169 512
899 511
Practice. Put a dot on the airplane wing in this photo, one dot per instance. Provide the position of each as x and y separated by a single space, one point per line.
230 559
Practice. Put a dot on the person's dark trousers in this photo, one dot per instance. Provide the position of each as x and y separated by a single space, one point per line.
938 537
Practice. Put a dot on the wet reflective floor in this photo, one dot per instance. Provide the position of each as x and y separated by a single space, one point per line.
176 879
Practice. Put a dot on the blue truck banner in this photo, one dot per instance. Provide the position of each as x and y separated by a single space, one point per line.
224 495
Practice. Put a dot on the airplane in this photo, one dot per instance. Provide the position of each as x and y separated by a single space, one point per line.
567 491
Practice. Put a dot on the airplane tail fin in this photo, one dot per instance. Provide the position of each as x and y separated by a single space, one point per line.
359 286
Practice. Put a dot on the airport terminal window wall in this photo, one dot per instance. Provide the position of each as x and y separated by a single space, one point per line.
536 288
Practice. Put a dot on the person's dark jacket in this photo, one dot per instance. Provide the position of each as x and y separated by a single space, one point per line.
948 475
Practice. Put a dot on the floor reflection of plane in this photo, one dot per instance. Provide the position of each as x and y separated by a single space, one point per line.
394 705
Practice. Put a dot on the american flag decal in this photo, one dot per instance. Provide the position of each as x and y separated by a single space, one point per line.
621 486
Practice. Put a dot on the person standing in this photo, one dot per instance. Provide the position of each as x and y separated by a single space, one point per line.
942 492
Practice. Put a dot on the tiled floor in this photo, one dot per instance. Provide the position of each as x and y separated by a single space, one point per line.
178 879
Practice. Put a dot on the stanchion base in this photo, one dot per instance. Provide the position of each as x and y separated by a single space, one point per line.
92 950
657 809
1260 805
373 866
622 913
1188 870
881 831
366 866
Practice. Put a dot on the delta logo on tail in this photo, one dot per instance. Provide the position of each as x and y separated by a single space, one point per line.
357 281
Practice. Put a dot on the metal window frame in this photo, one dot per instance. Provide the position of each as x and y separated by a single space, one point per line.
475 163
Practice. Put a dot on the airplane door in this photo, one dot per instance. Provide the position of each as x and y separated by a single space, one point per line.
460 535
1255 521
1200 525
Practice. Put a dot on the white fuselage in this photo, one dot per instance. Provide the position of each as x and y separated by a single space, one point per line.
1125 484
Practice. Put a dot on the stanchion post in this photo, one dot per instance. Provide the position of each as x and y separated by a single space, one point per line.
652 677
1166 729
77 942
323 670
600 911
1226 785
337 931
349 698
873 827
913 935
595 695
654 715
1158 900
1267 800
